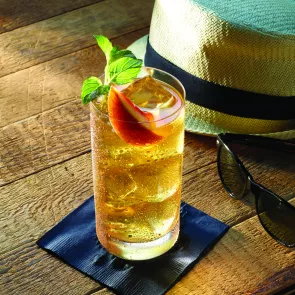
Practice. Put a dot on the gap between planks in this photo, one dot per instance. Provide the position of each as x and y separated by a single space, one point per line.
80 49
63 133
70 32
83 153
218 256
47 167
249 232
36 19
53 83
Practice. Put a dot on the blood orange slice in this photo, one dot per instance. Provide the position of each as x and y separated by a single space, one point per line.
131 123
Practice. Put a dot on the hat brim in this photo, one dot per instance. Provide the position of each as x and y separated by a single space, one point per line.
192 122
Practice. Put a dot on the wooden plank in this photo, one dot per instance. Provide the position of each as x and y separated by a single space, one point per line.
245 259
280 283
35 203
44 140
52 83
241 258
62 133
203 190
15 13
239 264
199 151
69 32
28 270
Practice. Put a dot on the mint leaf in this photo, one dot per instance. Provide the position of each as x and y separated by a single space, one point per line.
114 50
121 68
89 85
127 76
100 90
119 54
92 88
105 44
115 54
124 70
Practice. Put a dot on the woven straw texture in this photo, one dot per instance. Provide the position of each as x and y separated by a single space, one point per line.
247 45
207 122
202 120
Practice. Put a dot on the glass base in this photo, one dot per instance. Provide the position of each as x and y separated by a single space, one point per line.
143 251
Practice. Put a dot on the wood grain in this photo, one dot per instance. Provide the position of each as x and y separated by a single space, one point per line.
69 32
278 283
47 50
245 257
15 13
62 133
28 270
241 258
42 199
53 83
35 203
44 140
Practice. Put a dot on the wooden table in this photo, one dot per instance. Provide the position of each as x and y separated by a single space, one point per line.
47 50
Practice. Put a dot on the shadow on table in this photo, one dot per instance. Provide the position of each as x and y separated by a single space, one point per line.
273 169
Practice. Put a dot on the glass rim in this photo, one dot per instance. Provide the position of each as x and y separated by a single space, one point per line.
182 98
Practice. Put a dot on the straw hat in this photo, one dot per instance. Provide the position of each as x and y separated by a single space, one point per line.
235 58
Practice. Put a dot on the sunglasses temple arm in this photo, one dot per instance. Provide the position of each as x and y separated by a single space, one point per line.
256 188
259 141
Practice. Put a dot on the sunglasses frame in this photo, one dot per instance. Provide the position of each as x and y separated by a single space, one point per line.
251 185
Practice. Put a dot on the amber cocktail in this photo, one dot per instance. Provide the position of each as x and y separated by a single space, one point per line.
137 152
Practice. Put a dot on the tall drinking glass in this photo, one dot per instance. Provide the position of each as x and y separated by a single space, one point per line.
137 172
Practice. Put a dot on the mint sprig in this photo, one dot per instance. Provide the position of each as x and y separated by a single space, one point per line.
121 68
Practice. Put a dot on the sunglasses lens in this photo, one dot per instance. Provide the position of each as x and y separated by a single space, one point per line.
277 218
231 173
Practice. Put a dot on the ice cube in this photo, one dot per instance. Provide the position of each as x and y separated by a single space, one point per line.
149 93
156 183
119 184
160 217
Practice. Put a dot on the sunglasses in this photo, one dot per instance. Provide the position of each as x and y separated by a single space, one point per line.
276 215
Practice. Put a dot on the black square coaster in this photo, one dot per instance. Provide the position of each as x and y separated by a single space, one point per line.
74 241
